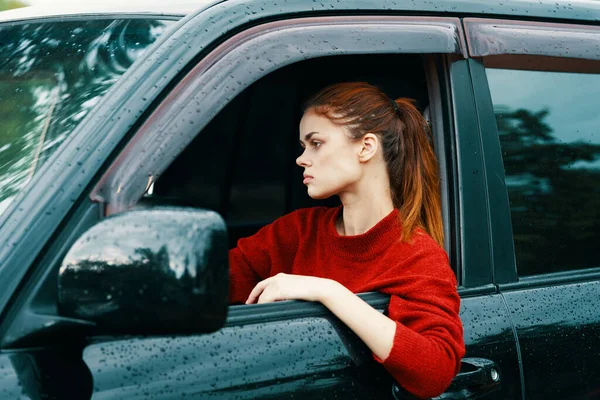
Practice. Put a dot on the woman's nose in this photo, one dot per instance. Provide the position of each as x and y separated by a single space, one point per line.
301 160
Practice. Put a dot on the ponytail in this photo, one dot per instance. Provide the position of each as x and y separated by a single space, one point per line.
407 149
417 194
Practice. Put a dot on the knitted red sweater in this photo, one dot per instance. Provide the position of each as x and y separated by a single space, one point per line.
428 343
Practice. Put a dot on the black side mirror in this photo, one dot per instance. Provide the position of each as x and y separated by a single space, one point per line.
156 271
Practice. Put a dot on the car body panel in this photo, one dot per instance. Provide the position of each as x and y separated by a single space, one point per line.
558 329
305 354
586 10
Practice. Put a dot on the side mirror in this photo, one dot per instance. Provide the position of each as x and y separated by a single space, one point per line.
157 271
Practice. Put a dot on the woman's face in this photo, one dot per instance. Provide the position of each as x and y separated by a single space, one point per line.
330 158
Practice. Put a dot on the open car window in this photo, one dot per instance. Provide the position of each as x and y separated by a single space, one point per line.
243 163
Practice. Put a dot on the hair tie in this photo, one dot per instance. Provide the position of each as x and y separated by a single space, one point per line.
396 110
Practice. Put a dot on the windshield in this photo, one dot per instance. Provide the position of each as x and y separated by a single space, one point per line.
51 75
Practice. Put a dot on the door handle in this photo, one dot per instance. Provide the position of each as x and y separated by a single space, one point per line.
476 377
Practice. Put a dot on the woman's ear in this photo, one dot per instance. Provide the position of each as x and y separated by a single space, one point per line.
369 144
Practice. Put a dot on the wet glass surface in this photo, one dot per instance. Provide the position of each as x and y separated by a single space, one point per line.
51 75
549 130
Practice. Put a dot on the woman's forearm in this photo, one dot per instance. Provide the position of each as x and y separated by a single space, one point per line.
374 328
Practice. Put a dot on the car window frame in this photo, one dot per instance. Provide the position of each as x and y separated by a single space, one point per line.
564 37
118 176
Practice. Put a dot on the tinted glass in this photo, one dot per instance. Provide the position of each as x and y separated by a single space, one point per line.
549 128
51 75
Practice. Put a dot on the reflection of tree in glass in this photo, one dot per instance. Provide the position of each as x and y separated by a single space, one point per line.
51 75
554 203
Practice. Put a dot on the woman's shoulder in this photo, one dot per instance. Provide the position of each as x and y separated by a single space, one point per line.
423 255
423 242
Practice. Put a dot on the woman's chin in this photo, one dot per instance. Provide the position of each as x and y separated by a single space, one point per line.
318 195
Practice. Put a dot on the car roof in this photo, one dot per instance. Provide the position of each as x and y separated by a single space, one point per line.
172 8
573 10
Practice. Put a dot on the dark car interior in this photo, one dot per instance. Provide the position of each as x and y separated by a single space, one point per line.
242 164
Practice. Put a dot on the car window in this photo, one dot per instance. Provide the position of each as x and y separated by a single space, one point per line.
51 75
549 129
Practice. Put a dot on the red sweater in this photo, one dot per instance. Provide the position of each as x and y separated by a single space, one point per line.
428 343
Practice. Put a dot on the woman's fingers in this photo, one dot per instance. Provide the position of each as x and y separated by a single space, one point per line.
256 292
264 291
269 295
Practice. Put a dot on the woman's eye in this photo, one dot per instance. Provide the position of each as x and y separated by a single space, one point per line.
316 144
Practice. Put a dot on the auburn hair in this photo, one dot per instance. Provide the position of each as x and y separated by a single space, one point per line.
407 148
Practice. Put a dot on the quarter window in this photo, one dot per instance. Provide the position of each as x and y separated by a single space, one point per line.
549 129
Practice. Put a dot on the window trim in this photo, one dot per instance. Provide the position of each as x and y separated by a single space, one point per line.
499 217
553 279
486 37
470 193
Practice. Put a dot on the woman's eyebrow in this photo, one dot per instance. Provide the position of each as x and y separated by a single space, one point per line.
308 136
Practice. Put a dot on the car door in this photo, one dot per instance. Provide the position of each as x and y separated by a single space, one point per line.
537 98
275 350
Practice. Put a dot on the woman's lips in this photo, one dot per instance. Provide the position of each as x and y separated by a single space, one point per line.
307 179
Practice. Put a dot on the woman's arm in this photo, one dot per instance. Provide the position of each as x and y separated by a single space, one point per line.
422 352
263 254
374 328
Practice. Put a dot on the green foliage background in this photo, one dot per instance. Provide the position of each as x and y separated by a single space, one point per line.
10 4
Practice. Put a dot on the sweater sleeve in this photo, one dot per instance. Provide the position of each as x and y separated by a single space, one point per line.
269 251
428 343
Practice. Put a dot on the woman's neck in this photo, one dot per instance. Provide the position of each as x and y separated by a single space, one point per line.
360 215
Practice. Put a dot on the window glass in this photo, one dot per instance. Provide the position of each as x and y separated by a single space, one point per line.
549 128
51 75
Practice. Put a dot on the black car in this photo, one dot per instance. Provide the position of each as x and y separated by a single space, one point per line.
138 144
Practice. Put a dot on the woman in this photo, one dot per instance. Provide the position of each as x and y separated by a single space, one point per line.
374 153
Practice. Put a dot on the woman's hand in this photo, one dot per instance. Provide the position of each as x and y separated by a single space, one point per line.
289 287
374 328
